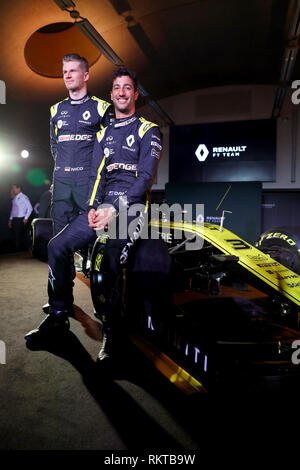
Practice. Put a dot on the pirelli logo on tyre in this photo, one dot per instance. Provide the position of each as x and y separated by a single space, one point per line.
98 260
278 235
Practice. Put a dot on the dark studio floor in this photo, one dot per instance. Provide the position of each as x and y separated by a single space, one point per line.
58 399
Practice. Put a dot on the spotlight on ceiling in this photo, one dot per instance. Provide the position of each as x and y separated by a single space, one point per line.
24 154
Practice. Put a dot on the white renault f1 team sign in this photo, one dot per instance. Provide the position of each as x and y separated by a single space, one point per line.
202 151
223 151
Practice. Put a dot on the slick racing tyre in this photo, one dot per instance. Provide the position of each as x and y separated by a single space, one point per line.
283 244
97 279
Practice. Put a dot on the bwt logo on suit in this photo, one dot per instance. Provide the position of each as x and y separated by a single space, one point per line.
2 92
2 352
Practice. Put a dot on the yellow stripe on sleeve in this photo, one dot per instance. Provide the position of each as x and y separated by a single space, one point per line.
97 181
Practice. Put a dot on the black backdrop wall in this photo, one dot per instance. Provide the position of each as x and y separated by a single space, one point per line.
242 199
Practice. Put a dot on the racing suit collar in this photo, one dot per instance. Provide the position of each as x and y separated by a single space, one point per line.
125 121
81 100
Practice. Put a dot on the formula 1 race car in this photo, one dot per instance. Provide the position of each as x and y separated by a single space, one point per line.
234 319
235 315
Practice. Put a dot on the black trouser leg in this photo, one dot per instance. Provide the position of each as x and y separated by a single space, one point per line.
60 282
19 234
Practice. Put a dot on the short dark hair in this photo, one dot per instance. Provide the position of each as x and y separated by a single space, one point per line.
120 72
82 60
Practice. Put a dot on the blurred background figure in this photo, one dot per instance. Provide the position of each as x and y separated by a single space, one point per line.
18 221
45 204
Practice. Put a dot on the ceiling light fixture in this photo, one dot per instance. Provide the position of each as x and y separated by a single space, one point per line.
88 29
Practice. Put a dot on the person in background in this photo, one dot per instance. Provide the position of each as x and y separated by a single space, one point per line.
18 221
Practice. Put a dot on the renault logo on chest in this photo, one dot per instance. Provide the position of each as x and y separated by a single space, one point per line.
86 115
130 140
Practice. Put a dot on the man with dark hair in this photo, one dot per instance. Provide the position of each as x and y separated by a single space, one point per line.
123 71
74 123
19 215
125 159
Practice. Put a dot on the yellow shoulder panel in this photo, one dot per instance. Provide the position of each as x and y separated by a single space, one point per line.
53 108
102 105
145 126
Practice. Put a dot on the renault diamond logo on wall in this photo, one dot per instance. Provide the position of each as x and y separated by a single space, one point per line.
202 152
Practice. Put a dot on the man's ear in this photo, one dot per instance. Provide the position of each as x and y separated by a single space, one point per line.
136 95
86 76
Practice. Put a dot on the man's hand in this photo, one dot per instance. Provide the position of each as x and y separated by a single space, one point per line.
91 217
25 221
100 218
9 224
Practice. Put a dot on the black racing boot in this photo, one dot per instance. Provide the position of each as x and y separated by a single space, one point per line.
54 324
46 308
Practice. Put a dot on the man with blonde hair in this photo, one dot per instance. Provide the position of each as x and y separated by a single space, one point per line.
74 123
